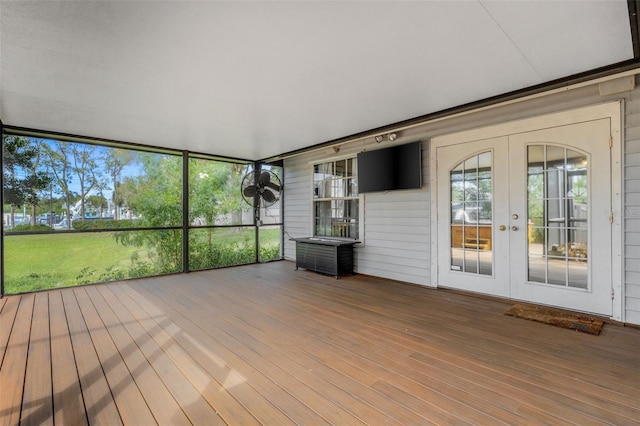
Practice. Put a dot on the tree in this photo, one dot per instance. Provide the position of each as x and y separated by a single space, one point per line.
58 155
38 179
156 198
214 189
86 170
23 180
115 160
209 198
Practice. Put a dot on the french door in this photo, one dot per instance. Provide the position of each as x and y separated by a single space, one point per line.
527 216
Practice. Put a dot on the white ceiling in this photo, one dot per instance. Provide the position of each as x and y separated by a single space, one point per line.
256 79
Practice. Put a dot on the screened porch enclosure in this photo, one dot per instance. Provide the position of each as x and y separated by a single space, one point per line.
80 211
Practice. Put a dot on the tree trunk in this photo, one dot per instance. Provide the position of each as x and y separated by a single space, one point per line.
68 208
115 195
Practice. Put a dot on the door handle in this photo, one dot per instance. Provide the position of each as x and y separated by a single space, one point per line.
502 227
514 228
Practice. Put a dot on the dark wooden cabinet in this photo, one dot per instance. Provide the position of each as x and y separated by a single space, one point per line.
325 255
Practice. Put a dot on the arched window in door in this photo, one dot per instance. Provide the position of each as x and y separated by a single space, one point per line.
558 215
472 215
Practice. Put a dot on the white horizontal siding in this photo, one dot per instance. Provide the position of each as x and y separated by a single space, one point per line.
406 274
632 200
632 265
634 304
297 205
632 160
632 145
382 241
633 296
633 317
633 135
632 208
397 227
382 202
633 238
632 223
634 291
633 251
396 243
374 214
632 175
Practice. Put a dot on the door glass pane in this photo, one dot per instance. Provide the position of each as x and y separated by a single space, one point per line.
471 195
471 164
557 200
457 186
471 187
457 259
577 274
471 261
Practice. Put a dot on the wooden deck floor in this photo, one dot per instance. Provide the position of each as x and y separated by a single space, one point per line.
265 344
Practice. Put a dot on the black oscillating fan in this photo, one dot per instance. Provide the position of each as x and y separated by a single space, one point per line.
266 189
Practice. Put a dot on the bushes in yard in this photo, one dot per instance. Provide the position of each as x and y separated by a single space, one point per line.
102 224
30 228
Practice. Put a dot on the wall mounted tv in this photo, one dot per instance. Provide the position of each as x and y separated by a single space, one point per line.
388 169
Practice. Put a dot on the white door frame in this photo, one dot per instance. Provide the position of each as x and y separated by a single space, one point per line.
610 110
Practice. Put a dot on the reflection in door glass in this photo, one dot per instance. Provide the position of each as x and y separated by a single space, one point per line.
472 215
557 200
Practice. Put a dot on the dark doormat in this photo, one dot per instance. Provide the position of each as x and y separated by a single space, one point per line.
573 321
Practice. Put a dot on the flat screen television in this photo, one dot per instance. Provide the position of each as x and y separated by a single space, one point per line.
389 169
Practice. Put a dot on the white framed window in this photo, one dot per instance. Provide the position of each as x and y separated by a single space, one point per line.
336 204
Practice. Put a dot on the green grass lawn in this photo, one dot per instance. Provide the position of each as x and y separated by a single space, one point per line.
36 262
